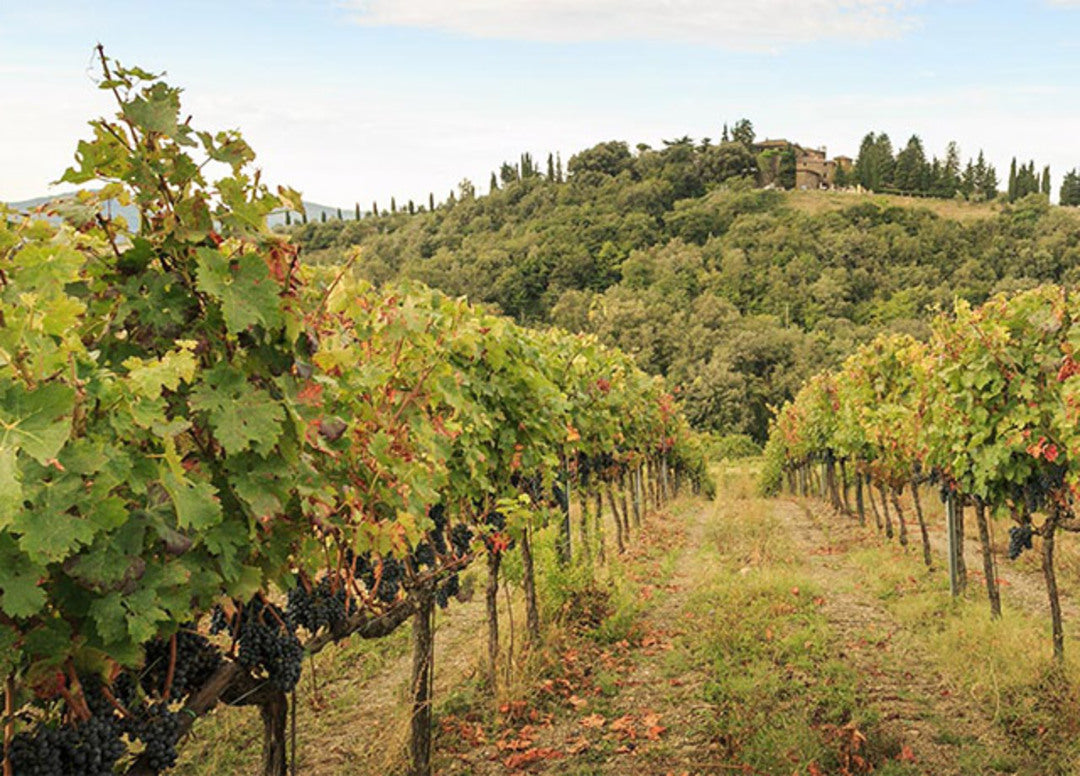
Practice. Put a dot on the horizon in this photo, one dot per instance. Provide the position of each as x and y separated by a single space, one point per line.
362 100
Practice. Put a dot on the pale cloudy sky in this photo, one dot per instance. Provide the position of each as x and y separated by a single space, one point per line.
355 100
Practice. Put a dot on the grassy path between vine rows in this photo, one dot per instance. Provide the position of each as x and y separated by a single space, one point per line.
757 636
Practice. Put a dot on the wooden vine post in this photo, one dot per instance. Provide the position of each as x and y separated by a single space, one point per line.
955 588
532 609
1049 531
565 545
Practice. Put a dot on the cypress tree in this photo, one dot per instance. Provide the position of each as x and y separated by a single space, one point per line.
1012 181
558 168
431 201
493 186
412 208
551 168
288 218
393 205
322 216
357 211
303 216
339 216
1070 188
1045 183
374 208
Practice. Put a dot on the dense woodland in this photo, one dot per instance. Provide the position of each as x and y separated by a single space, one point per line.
736 293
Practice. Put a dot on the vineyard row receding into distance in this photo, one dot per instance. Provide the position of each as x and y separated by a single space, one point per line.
987 412
216 461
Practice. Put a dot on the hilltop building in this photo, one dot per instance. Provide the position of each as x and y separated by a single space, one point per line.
790 165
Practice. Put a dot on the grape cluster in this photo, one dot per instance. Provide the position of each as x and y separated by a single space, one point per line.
267 641
447 590
1019 540
461 537
196 660
438 534
323 606
158 729
393 574
423 556
89 748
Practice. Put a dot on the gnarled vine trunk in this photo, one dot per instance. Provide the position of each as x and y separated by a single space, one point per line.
598 524
532 609
900 519
989 571
491 604
620 544
274 713
885 510
927 558
423 671
1049 529
859 505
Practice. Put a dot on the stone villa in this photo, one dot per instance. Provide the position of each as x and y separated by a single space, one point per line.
813 168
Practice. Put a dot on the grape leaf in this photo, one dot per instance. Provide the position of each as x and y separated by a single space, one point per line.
248 295
197 504
20 595
10 487
149 377
33 421
241 415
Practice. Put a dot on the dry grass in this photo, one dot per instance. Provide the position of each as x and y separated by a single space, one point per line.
817 202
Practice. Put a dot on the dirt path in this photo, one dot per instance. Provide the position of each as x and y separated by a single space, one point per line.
897 679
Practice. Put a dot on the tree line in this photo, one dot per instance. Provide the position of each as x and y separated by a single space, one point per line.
735 293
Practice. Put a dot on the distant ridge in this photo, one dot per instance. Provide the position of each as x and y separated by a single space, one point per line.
130 214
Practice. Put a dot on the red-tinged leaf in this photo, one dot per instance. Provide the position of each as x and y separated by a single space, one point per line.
578 745
593 721
906 755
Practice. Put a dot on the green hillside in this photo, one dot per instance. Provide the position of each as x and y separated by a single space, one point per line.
736 293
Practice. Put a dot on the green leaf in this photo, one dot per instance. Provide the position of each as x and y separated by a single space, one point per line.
10 487
243 285
34 421
197 504
52 535
156 110
149 377
241 415
20 595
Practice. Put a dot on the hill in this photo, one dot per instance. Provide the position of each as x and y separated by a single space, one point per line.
736 293
314 211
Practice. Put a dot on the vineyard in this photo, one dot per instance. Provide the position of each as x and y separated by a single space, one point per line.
216 461
986 413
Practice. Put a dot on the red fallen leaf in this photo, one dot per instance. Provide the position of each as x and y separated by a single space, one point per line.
794 591
768 633
578 745
906 755
819 601
654 732
530 756
624 725
593 721
814 770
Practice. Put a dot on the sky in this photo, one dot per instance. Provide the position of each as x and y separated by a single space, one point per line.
360 100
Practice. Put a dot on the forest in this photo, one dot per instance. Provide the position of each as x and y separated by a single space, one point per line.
736 293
